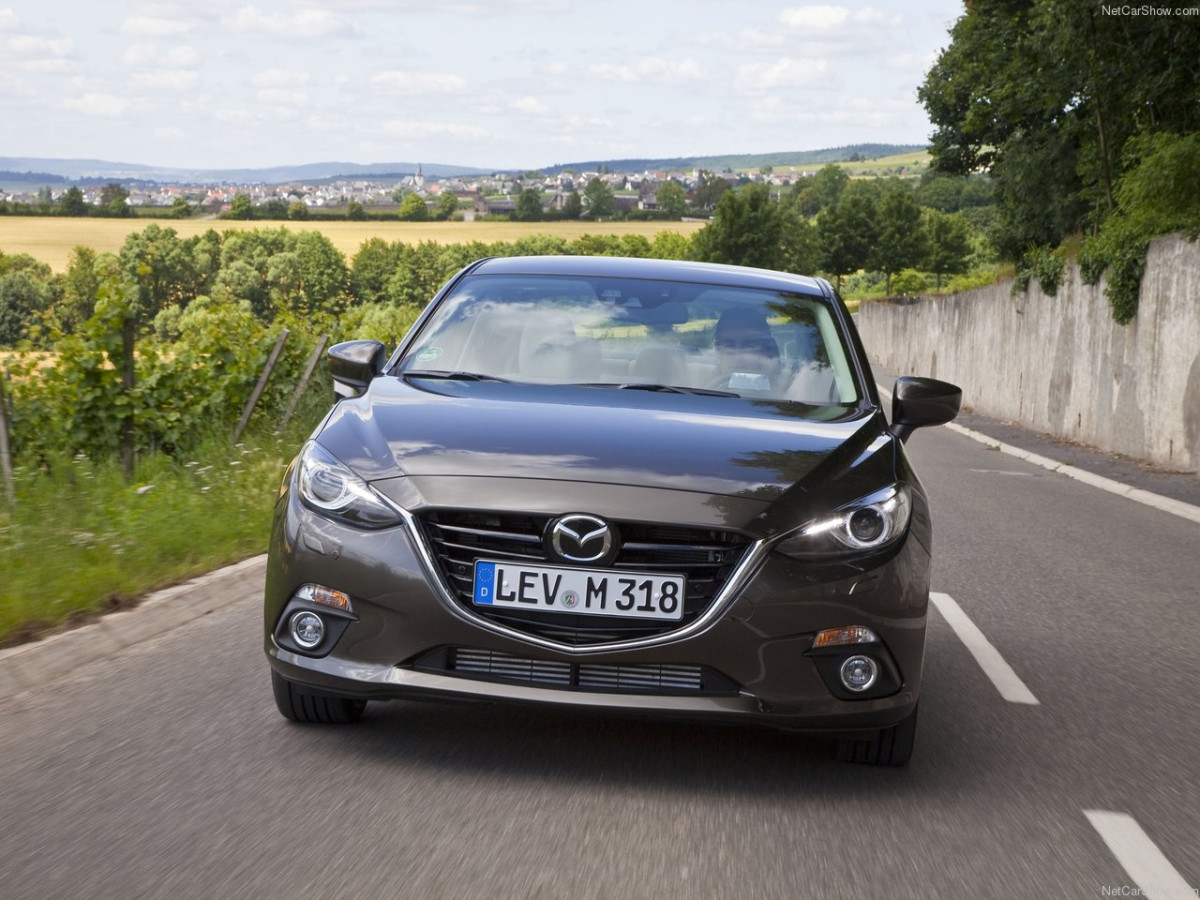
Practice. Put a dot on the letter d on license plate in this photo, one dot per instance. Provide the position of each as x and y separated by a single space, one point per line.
596 592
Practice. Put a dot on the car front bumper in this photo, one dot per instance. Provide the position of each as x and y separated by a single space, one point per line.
760 642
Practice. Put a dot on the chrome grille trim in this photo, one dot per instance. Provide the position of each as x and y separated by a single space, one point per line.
705 556
753 557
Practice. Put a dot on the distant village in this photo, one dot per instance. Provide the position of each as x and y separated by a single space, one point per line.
478 195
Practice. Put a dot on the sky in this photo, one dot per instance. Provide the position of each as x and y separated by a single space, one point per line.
493 84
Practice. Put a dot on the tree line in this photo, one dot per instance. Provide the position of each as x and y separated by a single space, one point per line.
1087 119
831 224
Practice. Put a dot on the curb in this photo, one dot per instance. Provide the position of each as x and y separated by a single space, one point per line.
31 665
1146 498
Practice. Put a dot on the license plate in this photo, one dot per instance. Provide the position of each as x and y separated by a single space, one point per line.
593 592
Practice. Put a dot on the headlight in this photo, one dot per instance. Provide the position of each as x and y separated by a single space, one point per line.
866 524
329 487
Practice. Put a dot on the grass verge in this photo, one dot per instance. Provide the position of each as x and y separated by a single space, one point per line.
81 540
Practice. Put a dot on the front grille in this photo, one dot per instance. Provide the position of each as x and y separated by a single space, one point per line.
706 557
608 678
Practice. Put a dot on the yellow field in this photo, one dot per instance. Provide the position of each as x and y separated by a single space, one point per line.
51 240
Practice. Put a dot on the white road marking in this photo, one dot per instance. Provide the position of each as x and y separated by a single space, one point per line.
1141 859
1146 498
1010 686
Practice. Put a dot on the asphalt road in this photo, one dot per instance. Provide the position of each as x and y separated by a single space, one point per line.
165 771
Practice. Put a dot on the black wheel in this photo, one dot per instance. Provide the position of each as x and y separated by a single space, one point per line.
304 704
892 746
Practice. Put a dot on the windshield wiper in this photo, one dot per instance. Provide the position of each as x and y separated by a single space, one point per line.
450 376
663 388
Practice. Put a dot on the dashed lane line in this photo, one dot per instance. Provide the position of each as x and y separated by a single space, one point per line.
1007 682
1143 862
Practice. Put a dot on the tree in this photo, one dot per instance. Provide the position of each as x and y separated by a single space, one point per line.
848 231
81 283
114 201
672 199
446 206
744 231
22 297
413 209
709 190
297 211
355 211
829 182
273 208
1045 95
949 245
573 205
162 267
941 192
529 206
73 204
901 240
598 198
241 208
181 209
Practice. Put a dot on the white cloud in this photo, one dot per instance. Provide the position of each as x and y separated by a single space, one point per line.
8 20
166 79
422 82
815 18
99 105
307 24
530 105
171 58
232 116
31 45
651 69
279 78
407 129
280 97
783 73
43 66
155 26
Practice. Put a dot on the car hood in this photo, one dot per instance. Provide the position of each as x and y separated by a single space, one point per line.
711 445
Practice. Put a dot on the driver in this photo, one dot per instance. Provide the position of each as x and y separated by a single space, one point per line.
747 354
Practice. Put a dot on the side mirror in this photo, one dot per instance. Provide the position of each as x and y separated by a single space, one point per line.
353 364
918 402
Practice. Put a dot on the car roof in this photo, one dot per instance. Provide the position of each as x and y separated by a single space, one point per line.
657 269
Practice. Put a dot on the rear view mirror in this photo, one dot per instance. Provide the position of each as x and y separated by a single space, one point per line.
918 402
353 364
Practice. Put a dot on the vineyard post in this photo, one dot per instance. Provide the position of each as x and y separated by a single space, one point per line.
5 454
127 333
261 386
304 379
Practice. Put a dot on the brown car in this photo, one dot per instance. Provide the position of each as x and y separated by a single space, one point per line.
657 488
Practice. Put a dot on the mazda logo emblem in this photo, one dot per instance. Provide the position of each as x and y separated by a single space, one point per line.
581 539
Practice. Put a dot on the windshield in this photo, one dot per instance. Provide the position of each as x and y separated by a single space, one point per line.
636 333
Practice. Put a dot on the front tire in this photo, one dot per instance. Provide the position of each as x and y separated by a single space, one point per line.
891 746
310 706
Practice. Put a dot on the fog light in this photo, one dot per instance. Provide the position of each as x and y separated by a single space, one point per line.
858 673
307 629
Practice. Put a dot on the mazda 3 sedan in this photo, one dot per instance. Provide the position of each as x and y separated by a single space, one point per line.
614 485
